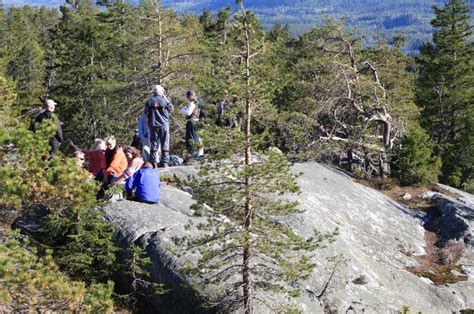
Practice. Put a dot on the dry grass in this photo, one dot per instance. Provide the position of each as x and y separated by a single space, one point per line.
439 275
440 265
392 189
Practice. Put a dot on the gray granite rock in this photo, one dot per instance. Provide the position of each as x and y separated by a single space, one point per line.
455 220
378 239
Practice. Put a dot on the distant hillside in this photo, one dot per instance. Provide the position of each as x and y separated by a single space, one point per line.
389 17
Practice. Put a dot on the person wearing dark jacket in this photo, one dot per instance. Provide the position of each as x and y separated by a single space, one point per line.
146 182
157 112
47 114
136 141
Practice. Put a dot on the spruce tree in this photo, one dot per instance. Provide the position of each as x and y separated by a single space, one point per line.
444 89
415 163
245 250
24 44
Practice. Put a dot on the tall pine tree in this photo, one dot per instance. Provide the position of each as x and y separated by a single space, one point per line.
444 89
245 250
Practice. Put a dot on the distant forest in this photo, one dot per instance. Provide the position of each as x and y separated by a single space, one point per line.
369 17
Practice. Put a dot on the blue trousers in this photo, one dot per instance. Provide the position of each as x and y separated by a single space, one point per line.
160 138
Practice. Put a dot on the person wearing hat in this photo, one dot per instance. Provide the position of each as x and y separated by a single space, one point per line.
157 112
191 113
47 114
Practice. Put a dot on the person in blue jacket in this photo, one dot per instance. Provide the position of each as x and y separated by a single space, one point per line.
144 138
157 112
146 183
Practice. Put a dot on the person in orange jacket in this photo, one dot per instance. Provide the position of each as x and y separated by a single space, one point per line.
115 159
116 163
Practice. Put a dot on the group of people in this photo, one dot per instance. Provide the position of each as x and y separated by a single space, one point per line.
132 166
153 127
111 164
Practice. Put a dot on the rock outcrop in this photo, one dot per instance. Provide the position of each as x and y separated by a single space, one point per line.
378 240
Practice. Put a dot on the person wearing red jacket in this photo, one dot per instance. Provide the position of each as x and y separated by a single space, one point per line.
95 156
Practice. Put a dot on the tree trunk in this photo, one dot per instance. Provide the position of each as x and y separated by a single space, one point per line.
246 271
160 43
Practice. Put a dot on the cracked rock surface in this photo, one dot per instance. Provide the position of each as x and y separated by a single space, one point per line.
378 239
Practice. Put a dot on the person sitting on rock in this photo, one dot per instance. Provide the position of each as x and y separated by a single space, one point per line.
115 160
135 162
95 156
116 163
146 184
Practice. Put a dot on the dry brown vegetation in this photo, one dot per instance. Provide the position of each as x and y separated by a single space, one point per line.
440 265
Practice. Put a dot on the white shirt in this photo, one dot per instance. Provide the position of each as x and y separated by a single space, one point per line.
189 109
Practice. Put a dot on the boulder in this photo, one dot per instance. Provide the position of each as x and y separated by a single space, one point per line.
378 239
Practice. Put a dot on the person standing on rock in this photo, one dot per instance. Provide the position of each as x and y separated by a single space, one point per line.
191 113
221 107
157 112
144 137
48 114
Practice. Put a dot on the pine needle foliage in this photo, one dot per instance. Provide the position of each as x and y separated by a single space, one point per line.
32 284
245 249
445 93
32 179
415 163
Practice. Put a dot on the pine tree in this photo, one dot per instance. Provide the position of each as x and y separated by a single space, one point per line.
31 180
76 64
244 248
32 284
444 89
24 45
415 164
356 101
104 63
